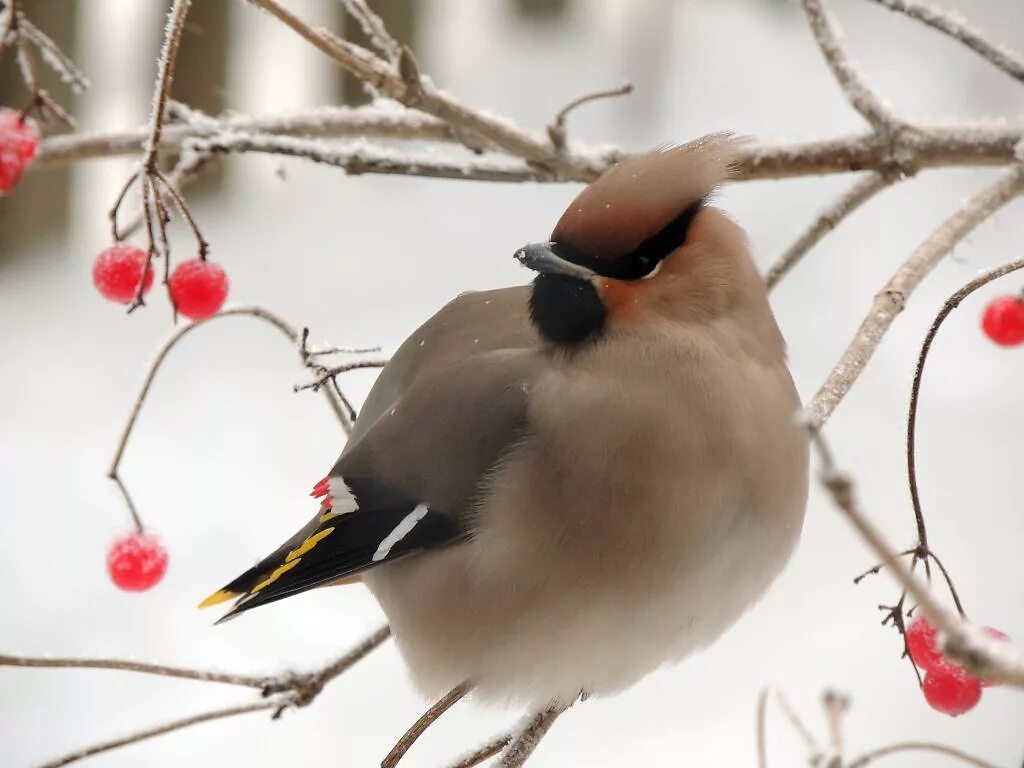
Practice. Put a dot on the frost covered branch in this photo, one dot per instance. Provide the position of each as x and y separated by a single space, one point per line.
335 399
852 199
279 692
27 40
1003 57
835 706
893 296
861 97
967 644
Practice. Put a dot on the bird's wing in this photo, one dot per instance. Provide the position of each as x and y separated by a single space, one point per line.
442 414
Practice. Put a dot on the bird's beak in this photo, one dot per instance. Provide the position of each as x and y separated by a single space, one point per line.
544 258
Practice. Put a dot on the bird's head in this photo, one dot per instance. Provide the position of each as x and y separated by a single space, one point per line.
641 243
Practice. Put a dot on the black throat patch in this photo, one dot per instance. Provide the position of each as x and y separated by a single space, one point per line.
566 310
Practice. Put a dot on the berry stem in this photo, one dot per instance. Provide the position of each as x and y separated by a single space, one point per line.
165 76
342 410
201 243
924 553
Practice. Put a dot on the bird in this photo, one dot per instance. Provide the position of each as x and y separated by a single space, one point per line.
555 489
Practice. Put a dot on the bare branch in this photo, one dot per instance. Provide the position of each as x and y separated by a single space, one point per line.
1003 57
52 54
856 90
125 665
380 120
525 742
253 311
164 78
836 706
922 551
484 752
424 97
404 744
360 159
919 746
894 294
862 191
970 646
160 730
374 29
556 131
279 692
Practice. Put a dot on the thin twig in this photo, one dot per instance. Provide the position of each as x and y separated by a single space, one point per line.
848 202
836 706
557 132
358 159
280 692
324 374
951 303
179 333
484 752
919 746
160 730
184 673
526 741
427 719
970 646
164 78
374 29
423 96
856 90
814 750
1003 57
891 300
52 54
760 727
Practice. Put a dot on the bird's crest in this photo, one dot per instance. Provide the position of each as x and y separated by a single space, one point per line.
638 197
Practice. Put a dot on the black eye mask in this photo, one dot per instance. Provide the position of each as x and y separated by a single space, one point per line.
635 265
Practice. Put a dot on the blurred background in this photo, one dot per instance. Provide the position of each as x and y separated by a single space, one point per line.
224 453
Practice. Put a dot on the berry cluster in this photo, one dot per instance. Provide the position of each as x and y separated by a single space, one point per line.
19 139
1003 320
948 687
197 287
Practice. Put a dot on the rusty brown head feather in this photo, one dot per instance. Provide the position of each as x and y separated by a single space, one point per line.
640 196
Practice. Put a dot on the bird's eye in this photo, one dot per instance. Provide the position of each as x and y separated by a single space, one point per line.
653 272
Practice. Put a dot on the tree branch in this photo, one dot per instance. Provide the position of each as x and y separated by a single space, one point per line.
125 665
280 692
862 191
891 300
857 92
1003 57
160 730
970 646
919 746
179 333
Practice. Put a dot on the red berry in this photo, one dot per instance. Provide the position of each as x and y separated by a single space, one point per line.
18 134
922 643
19 139
322 488
198 288
950 689
136 562
117 271
1003 321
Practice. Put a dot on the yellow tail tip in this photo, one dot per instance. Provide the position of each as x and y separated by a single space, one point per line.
218 597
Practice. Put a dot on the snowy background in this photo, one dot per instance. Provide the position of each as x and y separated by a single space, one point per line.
225 453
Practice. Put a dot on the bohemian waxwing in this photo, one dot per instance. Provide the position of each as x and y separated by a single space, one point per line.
557 488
